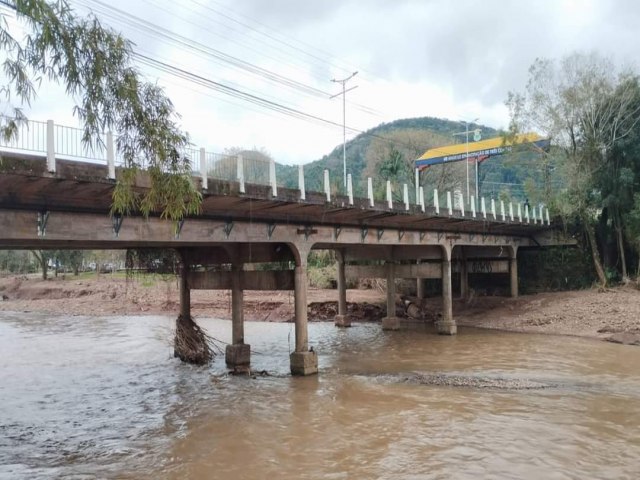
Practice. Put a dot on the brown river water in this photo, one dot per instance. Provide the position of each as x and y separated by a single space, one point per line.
84 398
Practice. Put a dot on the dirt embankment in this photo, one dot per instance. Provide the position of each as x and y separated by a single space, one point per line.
613 314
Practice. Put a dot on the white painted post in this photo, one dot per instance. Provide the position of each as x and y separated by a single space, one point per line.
473 206
449 205
533 214
504 217
461 200
483 208
327 185
422 206
511 211
493 208
436 201
350 189
370 191
519 212
389 198
547 215
405 195
301 187
51 147
240 172
526 213
203 169
417 187
272 177
111 157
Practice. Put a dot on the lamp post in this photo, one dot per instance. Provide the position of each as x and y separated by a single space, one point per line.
466 134
344 121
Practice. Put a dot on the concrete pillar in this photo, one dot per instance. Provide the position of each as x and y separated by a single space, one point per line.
513 271
446 325
238 354
391 322
342 319
185 292
421 288
464 278
302 360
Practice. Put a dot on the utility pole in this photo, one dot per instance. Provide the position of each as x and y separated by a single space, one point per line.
344 121
466 134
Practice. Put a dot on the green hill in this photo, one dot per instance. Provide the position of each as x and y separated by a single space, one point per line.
388 150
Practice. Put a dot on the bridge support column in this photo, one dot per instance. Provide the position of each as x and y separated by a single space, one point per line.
303 361
513 272
342 319
391 322
446 325
464 277
420 288
238 354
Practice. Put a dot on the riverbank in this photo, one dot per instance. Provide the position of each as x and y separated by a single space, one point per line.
613 314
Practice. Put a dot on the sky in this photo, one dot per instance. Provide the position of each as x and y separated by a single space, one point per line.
454 59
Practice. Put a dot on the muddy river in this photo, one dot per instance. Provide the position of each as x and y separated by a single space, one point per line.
84 398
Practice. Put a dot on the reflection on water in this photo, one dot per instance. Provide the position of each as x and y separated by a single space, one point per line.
104 398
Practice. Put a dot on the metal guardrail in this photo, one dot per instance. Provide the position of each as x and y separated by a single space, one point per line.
57 141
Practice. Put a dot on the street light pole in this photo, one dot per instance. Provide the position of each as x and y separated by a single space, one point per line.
466 133
344 121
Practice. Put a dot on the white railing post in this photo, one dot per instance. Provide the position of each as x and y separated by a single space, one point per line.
389 197
203 169
493 208
533 214
511 211
51 147
461 200
502 212
473 206
520 212
422 205
327 185
526 213
449 204
546 211
436 201
350 188
240 172
417 180
483 208
301 187
370 191
111 157
272 177
405 195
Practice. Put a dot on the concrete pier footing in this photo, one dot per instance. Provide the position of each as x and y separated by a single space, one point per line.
304 363
342 321
390 323
238 357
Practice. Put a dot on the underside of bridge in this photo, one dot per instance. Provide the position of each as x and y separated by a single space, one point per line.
255 241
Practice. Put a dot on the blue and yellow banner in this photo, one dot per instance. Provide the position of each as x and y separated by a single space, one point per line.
478 150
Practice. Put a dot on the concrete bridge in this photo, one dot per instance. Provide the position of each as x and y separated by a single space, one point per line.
47 202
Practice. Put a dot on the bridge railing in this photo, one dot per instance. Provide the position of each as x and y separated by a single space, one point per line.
56 141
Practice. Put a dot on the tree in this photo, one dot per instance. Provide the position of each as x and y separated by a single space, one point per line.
95 64
43 257
586 108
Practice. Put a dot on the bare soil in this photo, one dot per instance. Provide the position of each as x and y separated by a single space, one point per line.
612 314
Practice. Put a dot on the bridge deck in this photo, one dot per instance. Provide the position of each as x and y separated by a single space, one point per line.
84 188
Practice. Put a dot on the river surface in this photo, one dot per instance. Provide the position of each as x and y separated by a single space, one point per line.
85 398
